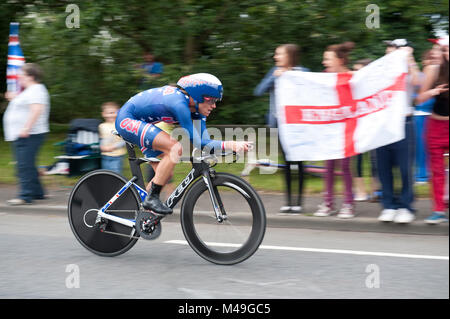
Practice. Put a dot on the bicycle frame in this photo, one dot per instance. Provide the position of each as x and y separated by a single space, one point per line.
199 168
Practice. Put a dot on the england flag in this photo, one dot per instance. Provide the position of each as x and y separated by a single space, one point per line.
325 116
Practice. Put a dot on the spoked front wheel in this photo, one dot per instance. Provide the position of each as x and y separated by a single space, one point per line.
91 192
239 235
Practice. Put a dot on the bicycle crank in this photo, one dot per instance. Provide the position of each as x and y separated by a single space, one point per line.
148 225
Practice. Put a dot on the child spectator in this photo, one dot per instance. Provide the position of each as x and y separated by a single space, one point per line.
112 147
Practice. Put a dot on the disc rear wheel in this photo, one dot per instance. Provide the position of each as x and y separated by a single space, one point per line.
90 194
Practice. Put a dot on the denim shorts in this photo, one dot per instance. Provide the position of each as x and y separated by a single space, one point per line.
112 163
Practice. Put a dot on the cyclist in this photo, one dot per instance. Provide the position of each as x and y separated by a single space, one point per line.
193 98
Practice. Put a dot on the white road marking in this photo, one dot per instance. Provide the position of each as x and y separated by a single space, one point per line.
321 250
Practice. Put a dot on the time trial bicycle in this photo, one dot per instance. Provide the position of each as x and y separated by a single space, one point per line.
222 217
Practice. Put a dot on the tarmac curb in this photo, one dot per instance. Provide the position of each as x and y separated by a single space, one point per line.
302 221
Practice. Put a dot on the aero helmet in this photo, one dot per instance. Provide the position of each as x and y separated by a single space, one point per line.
199 85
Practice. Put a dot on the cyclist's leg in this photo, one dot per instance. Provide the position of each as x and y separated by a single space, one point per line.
152 142
170 151
153 167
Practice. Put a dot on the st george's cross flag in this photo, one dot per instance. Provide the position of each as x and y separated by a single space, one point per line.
325 116
16 59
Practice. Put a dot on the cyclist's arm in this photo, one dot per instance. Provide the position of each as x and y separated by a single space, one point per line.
212 144
236 146
197 134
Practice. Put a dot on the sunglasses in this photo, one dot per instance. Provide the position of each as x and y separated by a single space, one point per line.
210 100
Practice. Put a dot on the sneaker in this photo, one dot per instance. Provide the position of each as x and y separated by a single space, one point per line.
387 215
346 211
323 211
285 209
436 218
296 209
404 216
290 210
61 168
17 202
361 197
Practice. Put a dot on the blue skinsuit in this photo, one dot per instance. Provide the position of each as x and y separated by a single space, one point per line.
136 118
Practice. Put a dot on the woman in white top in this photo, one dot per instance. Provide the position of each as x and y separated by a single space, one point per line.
25 124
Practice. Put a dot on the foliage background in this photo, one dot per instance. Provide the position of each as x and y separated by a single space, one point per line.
234 40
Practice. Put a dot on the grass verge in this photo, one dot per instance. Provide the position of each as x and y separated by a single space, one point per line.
262 182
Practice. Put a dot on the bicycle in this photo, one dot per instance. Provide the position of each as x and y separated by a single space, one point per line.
107 217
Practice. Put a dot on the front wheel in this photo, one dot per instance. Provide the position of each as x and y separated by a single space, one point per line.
234 239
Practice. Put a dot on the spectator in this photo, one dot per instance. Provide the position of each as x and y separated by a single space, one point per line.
151 68
421 113
361 193
335 59
437 134
399 208
112 147
25 124
286 58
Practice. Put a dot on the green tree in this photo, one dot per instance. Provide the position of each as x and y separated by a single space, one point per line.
234 40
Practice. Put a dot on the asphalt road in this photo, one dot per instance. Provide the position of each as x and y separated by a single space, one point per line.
40 258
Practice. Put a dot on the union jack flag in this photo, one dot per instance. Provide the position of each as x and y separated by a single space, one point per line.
15 59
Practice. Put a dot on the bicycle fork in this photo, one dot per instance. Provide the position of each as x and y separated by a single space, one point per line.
216 201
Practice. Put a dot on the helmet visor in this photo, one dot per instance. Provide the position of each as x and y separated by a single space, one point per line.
210 100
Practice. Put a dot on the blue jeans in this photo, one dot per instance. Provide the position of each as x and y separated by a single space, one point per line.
399 154
113 163
25 152
421 169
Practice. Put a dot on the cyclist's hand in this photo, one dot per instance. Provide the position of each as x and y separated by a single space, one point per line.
238 146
